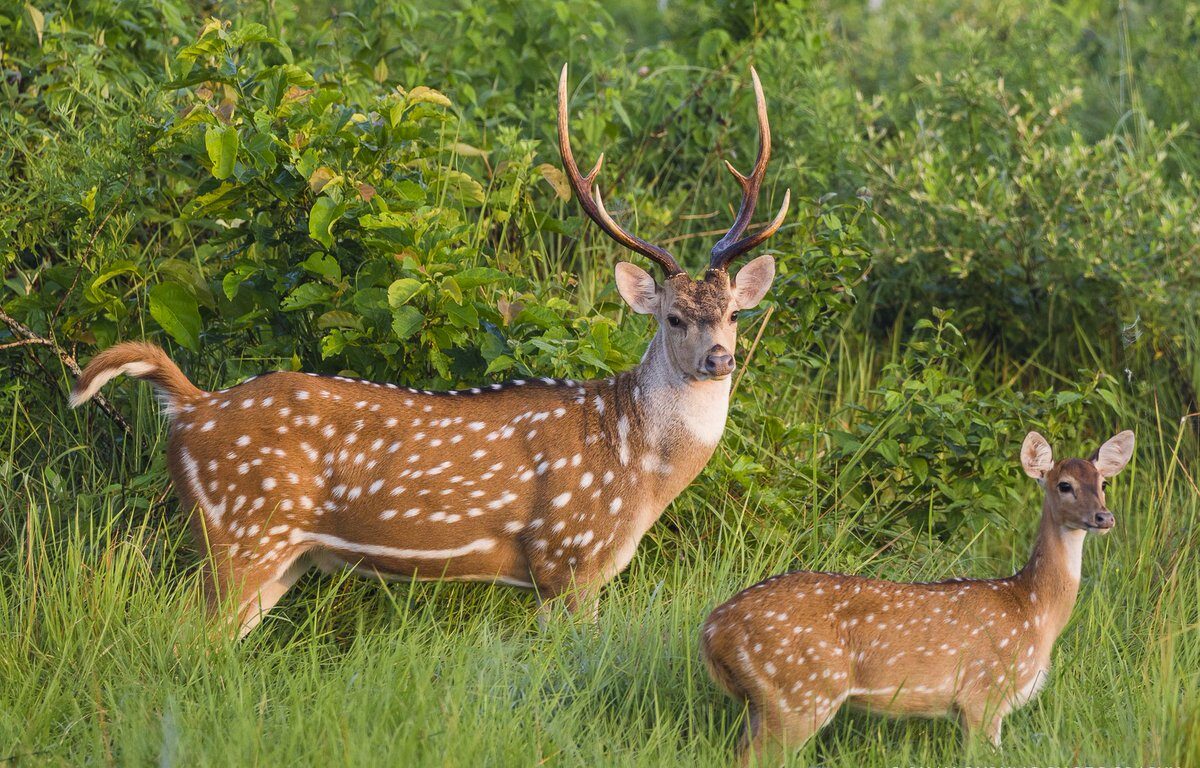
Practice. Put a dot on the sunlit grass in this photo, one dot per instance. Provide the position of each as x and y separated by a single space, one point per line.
106 658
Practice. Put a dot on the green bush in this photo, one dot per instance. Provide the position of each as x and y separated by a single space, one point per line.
375 191
930 445
1013 218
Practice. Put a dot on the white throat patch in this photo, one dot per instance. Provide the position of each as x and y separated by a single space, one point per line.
705 408
1073 544
701 407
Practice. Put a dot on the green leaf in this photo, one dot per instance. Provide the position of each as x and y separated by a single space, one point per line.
501 363
231 283
463 188
38 19
325 212
451 288
88 201
221 141
290 74
174 308
402 290
306 296
406 321
324 265
255 32
463 315
188 274
476 276
339 318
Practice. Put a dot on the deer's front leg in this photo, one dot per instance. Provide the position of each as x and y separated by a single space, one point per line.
981 720
575 591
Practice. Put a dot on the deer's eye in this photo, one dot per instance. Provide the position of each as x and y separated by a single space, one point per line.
1104 485
674 321
1064 487
733 317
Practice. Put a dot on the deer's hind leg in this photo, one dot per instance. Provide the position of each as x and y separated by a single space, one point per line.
775 731
255 605
786 710
248 570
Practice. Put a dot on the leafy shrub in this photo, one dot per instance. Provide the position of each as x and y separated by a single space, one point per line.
336 235
372 191
1027 228
930 445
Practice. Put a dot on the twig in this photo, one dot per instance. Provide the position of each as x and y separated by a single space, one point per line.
753 346
87 251
25 343
708 233
29 338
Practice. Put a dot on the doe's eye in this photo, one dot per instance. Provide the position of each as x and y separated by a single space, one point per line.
674 321
733 316
1104 485
1064 487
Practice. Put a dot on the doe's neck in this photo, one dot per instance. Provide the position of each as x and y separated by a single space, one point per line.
1053 572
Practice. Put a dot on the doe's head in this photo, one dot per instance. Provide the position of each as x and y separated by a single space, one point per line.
1075 487
697 318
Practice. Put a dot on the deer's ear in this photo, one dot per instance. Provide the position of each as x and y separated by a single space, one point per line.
1036 456
637 287
1112 457
753 281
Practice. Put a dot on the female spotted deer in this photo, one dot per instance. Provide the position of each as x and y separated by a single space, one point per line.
797 646
536 483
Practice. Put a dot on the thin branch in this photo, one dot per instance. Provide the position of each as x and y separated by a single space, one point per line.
87 251
29 339
753 346
25 343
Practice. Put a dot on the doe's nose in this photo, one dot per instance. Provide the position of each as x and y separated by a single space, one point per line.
718 362
1105 520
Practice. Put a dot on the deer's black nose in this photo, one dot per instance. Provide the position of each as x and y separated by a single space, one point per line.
1105 520
718 362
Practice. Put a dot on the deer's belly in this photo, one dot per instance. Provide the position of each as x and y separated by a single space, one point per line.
473 557
904 700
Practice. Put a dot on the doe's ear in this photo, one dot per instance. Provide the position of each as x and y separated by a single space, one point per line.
753 281
637 287
1036 456
1112 457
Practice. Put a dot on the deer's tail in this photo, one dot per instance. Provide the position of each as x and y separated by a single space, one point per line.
140 360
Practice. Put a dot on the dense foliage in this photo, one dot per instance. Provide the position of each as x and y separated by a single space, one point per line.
376 191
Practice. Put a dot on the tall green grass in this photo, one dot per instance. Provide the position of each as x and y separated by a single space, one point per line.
105 657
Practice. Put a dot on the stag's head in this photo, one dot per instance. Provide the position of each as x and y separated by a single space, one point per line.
697 318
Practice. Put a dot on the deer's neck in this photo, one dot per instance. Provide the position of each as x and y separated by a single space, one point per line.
678 421
1053 571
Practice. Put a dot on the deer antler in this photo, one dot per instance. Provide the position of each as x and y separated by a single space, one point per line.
730 246
588 193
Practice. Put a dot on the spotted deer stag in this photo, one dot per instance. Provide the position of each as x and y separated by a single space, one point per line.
537 483
798 646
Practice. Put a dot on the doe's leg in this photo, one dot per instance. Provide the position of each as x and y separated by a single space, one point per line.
774 733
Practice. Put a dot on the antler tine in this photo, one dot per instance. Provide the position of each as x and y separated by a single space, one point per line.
733 244
588 193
